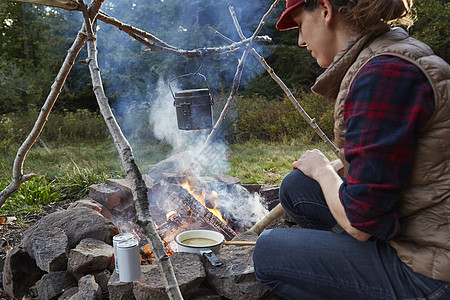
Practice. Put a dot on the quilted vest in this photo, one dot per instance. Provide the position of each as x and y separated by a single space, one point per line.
424 239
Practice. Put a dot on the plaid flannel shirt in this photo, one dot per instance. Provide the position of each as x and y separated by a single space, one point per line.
388 104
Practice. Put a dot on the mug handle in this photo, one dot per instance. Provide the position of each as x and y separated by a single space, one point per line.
212 258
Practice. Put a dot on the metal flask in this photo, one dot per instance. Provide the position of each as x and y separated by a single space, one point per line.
117 239
193 107
128 260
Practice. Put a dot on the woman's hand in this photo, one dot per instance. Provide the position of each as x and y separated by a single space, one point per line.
313 163
317 166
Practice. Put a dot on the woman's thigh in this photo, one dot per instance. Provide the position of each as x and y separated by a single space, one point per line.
299 263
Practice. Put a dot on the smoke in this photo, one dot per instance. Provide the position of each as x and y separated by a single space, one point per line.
163 120
136 80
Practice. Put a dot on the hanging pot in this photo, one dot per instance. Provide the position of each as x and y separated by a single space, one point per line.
193 106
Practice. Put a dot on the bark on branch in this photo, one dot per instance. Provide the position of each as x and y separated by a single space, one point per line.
134 176
157 45
303 113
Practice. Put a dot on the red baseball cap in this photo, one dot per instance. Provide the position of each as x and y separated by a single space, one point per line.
286 22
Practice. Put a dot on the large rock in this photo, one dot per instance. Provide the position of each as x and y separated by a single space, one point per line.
270 195
90 255
102 278
94 205
235 279
77 224
189 272
117 196
107 195
120 290
54 284
68 293
49 248
20 272
88 289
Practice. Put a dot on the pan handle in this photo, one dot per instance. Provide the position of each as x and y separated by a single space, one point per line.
212 258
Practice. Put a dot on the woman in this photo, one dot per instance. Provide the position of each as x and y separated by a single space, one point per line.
382 230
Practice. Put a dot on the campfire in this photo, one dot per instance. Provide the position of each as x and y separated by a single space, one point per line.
180 203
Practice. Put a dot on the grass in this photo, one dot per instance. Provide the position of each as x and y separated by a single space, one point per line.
62 171
66 171
268 163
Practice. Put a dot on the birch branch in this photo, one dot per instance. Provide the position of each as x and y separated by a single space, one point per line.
239 71
18 177
138 187
236 22
157 45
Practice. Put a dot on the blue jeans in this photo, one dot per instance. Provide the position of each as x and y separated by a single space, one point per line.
314 262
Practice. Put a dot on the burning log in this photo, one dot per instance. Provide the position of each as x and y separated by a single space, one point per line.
190 213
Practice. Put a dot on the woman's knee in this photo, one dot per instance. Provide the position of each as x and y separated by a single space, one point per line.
296 184
290 182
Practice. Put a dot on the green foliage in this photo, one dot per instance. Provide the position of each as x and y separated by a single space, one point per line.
31 196
433 25
277 119
40 191
62 126
75 184
33 42
63 172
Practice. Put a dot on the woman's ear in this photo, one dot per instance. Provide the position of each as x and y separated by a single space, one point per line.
327 11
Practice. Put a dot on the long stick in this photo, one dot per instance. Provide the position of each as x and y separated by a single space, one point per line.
274 214
138 187
18 177
158 45
239 70
297 105
239 243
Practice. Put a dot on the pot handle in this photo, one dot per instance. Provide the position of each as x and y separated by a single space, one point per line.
212 258
186 75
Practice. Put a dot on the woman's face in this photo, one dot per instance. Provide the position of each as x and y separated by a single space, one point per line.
316 35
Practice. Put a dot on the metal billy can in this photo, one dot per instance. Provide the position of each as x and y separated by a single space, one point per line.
193 109
129 260
117 239
193 106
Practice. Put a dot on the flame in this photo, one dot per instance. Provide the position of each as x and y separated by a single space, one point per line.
147 250
147 256
200 197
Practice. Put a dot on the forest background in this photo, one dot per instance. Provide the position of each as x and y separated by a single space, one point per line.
263 132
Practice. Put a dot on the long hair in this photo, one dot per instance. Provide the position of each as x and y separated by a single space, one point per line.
370 15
